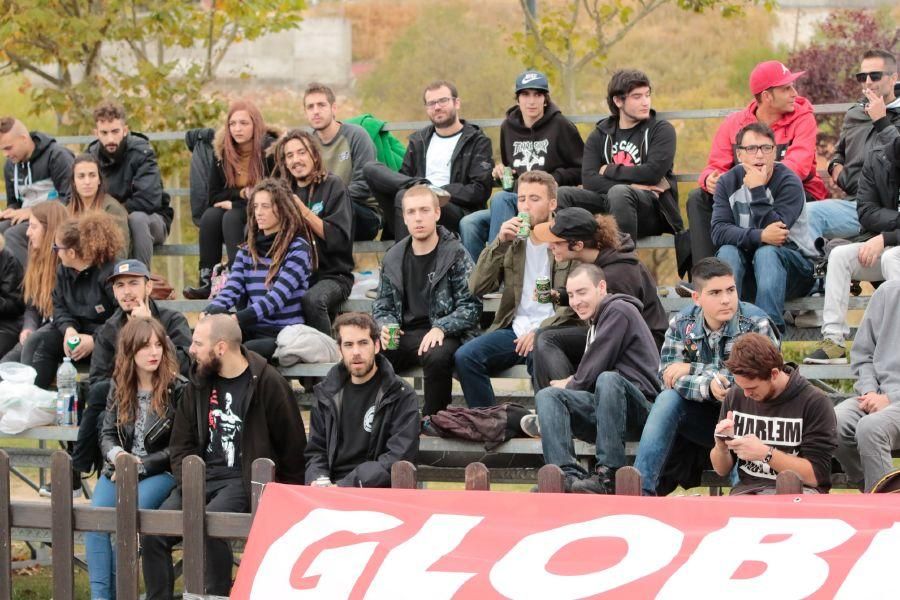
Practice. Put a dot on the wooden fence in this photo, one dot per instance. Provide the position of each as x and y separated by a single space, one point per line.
63 518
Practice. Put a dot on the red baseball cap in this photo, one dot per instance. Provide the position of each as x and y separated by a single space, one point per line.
771 74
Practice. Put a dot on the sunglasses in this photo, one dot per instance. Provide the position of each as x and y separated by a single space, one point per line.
873 75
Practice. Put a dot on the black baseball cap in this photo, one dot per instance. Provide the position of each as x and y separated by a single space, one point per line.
571 224
129 267
532 80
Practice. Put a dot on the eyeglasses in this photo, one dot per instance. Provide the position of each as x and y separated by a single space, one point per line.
439 102
56 248
873 75
766 148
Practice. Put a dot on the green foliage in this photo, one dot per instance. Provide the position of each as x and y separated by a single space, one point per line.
81 51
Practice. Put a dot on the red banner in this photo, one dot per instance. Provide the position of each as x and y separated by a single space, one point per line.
334 543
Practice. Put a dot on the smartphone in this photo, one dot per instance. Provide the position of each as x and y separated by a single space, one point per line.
725 436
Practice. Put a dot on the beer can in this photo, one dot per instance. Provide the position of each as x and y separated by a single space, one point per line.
73 342
393 336
525 227
507 180
322 481
542 286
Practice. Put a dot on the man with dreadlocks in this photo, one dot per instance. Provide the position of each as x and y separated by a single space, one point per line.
326 207
272 271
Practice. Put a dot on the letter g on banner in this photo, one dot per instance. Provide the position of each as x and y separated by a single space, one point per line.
522 573
338 569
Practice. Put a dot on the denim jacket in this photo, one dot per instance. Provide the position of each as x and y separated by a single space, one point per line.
689 341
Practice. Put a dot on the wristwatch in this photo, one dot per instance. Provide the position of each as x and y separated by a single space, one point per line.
769 455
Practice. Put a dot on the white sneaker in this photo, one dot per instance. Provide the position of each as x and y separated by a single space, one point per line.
45 492
530 425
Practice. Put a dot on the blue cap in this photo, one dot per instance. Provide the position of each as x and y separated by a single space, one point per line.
532 80
129 267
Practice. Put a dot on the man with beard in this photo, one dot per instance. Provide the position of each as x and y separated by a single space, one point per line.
36 169
773 420
425 291
364 417
345 149
128 165
131 286
246 411
450 154
327 209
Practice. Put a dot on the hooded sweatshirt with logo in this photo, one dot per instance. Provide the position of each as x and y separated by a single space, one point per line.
795 135
618 340
859 135
643 154
552 144
800 421
48 168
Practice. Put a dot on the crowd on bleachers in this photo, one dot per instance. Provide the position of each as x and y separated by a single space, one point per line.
557 243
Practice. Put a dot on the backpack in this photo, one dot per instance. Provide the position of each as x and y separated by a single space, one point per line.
492 425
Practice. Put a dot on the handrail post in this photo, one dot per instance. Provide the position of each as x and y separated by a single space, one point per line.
403 475
194 518
62 534
628 482
551 479
789 483
127 563
261 472
5 530
478 477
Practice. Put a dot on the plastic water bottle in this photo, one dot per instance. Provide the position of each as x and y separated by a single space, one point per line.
66 393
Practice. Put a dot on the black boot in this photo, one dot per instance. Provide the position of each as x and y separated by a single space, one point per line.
203 289
603 481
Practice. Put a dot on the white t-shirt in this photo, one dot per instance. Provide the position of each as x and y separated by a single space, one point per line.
438 158
530 312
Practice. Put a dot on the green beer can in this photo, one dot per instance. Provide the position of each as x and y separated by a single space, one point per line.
393 336
542 286
525 227
73 342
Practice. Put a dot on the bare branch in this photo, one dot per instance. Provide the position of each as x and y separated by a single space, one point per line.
533 29
604 46
207 68
26 65
220 53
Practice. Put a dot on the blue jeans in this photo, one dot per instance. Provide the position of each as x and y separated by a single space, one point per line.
772 274
671 416
101 559
608 416
481 227
831 219
478 359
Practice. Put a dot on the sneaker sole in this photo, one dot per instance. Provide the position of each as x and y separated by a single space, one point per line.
825 361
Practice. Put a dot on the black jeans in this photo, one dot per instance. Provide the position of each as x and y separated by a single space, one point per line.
260 339
321 301
437 364
86 453
388 188
43 350
159 575
636 211
593 202
9 334
557 352
219 227
16 242
367 223
699 211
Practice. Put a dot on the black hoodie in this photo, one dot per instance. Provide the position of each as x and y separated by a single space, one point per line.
48 160
648 160
331 203
877 193
618 340
552 144
132 176
273 427
395 428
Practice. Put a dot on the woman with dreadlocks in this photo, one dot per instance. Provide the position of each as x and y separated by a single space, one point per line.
326 206
271 271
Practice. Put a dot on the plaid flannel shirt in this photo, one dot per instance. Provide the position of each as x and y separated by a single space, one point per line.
689 341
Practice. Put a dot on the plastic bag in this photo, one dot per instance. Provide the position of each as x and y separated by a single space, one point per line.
364 282
24 406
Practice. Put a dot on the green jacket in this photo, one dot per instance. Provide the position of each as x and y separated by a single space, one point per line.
388 149
504 263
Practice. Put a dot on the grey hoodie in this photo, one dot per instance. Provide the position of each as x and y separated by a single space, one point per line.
618 340
859 134
874 357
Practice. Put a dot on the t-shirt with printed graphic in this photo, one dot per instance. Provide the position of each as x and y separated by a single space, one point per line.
418 271
627 148
355 430
799 421
225 420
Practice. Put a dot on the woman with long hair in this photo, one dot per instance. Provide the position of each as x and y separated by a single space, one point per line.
325 204
40 276
86 246
272 271
89 193
241 162
145 391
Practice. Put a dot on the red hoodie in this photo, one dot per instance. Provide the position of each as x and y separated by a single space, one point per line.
795 134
